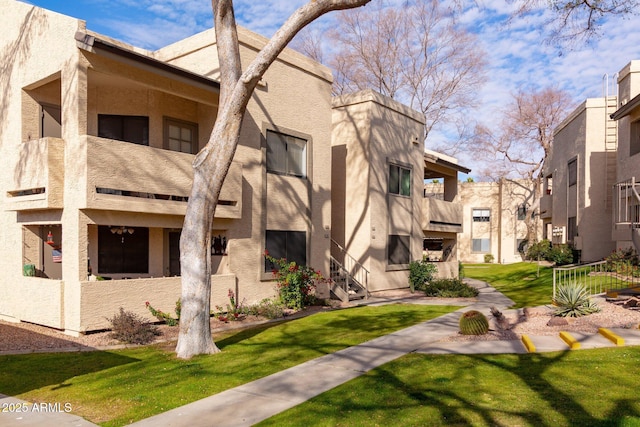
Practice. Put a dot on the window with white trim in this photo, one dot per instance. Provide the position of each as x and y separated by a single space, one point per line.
481 215
481 245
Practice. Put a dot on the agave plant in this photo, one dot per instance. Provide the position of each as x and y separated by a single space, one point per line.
572 300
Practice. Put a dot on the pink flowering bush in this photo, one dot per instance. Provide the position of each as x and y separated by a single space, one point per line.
235 310
296 283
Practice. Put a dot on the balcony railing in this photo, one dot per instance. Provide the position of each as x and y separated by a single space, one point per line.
626 210
38 178
113 175
546 206
439 215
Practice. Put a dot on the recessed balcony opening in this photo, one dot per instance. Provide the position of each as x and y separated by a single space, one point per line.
42 251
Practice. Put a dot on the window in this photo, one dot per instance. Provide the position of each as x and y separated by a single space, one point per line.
521 246
124 128
123 249
634 138
522 212
431 244
286 155
572 171
480 245
481 215
398 249
180 136
399 180
291 245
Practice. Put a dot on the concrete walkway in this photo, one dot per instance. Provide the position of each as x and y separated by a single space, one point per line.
253 402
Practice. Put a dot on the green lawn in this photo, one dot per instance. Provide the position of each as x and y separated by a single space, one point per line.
577 388
519 281
118 387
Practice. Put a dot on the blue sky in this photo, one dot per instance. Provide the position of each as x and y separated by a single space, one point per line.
518 57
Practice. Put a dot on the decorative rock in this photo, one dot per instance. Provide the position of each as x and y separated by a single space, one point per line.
537 311
632 302
557 321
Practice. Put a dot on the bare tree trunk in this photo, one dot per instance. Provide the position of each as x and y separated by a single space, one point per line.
212 163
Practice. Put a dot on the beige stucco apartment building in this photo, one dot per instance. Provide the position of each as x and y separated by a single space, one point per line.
626 207
97 140
576 205
590 196
496 219
380 214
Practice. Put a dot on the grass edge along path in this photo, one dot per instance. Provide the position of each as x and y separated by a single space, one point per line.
524 282
114 388
587 387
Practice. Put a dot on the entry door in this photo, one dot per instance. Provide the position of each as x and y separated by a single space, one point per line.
174 253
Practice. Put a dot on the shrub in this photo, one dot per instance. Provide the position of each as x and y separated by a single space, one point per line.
166 317
539 250
421 272
296 283
130 328
460 270
450 288
473 323
488 258
572 300
562 255
623 261
269 308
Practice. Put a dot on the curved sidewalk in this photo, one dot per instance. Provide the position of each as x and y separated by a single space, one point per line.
253 402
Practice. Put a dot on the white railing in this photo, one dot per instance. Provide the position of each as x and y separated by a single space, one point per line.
354 270
597 277
627 199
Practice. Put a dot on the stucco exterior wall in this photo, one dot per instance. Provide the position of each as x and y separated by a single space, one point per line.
504 228
43 58
581 136
50 39
629 87
376 132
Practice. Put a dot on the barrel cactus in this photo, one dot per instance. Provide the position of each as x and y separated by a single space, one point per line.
474 323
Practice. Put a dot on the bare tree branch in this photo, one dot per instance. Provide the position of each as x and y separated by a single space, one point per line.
211 165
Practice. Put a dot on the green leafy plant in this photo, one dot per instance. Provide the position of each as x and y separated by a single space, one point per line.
473 322
128 327
268 307
296 283
562 255
539 250
572 300
421 272
450 288
234 310
165 317
488 258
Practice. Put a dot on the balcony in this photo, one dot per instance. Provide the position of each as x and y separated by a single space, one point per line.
114 176
38 179
439 215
